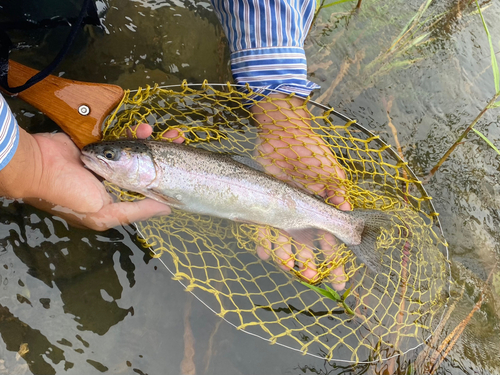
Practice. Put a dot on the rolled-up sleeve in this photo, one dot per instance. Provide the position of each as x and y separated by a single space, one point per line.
266 39
9 134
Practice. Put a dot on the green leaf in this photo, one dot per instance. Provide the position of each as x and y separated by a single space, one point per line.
319 290
346 293
487 140
494 64
335 3
495 105
333 293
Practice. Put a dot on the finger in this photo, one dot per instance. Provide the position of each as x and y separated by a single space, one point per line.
338 198
339 278
279 248
176 135
141 131
264 245
307 262
306 258
123 213
283 252
329 246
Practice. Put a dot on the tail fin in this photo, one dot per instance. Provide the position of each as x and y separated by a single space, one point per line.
367 252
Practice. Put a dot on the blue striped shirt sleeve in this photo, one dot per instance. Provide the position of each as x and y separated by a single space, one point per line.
9 134
266 40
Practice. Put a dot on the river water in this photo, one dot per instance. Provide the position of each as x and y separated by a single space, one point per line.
88 302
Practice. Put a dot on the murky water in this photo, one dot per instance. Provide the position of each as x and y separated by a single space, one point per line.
88 302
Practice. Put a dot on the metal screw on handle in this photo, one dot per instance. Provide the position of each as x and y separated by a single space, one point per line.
84 110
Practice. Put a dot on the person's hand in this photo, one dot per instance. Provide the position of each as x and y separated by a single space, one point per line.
52 177
290 150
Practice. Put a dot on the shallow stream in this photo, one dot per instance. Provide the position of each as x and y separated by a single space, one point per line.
89 303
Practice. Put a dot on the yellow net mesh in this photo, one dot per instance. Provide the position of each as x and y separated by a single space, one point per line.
224 263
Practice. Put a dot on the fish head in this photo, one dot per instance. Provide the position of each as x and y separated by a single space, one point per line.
129 164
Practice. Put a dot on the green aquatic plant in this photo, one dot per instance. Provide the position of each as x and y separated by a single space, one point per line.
320 4
486 140
410 34
332 294
414 34
493 103
412 26
494 64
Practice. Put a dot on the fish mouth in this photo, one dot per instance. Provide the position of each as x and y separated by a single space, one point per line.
100 166
87 160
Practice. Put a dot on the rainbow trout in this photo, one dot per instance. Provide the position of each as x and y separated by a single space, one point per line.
208 183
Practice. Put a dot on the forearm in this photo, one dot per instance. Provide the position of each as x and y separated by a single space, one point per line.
20 161
266 40
21 176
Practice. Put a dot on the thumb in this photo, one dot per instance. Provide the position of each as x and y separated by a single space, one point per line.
124 213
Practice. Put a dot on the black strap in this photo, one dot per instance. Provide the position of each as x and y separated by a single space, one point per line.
7 46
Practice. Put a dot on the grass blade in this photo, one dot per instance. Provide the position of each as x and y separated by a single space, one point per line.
333 293
335 3
412 22
319 290
486 140
346 293
417 40
494 64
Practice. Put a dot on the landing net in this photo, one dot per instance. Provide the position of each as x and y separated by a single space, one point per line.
223 263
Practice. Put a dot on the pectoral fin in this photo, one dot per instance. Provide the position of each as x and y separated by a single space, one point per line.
162 198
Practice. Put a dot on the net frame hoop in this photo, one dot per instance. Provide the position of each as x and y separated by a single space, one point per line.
435 215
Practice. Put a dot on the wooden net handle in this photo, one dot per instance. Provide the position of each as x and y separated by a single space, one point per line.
66 102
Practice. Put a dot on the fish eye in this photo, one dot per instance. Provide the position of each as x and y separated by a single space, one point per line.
109 154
